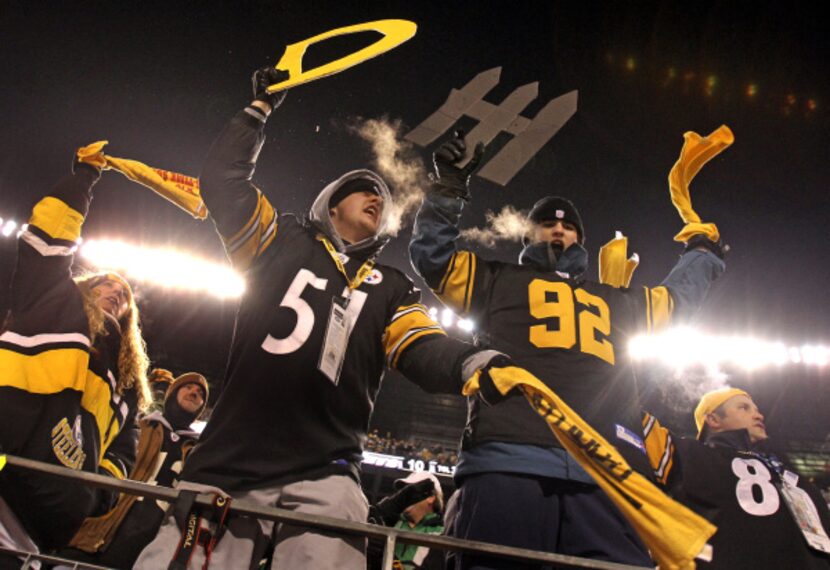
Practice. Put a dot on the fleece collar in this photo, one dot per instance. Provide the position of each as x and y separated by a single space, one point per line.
573 261
319 214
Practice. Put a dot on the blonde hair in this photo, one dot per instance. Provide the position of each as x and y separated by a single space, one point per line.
132 354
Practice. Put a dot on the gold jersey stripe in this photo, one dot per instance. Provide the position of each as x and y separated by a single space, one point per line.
60 369
255 236
408 323
243 234
96 400
409 339
456 288
659 448
661 307
110 467
47 372
57 219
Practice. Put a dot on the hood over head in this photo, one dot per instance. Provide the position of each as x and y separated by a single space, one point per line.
319 213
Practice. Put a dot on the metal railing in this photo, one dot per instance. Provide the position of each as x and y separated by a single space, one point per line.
28 559
389 535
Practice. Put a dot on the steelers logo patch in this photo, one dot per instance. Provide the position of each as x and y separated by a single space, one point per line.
375 277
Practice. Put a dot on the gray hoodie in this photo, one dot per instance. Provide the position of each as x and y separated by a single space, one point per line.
319 213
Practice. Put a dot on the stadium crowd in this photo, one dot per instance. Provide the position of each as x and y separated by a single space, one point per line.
410 448
556 456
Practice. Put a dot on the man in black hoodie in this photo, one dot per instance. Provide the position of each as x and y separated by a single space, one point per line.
319 323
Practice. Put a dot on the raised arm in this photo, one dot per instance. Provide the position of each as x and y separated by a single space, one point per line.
244 218
689 281
452 274
42 278
702 261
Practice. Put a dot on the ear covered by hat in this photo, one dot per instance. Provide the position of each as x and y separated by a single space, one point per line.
710 402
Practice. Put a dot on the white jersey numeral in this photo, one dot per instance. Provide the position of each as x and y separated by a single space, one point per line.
305 314
752 474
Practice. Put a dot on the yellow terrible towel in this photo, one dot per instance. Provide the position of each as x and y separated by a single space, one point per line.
696 152
673 533
182 190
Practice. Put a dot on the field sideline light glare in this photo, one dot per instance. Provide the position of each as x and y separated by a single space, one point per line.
449 319
684 347
164 266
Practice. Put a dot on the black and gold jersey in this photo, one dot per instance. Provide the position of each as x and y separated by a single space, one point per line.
58 400
740 491
279 417
573 335
45 348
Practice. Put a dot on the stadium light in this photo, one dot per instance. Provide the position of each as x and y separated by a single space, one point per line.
466 325
166 267
9 227
683 347
447 318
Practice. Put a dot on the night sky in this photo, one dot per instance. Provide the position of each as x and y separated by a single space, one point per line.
160 80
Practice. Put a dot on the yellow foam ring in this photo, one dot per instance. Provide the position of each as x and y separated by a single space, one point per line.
395 32
615 267
2 462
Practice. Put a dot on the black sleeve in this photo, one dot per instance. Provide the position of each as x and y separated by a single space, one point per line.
418 347
435 363
42 279
225 182
244 218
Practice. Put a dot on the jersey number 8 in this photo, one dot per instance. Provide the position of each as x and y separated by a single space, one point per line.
752 474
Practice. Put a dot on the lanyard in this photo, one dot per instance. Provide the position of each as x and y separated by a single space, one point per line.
771 461
362 273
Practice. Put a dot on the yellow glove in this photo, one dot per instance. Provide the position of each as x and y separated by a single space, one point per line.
615 267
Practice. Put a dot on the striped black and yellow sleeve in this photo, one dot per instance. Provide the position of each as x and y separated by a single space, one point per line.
44 363
659 448
56 220
409 324
456 288
113 468
659 308
245 246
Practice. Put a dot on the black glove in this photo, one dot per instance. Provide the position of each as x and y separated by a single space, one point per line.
262 79
389 510
697 241
487 391
449 178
